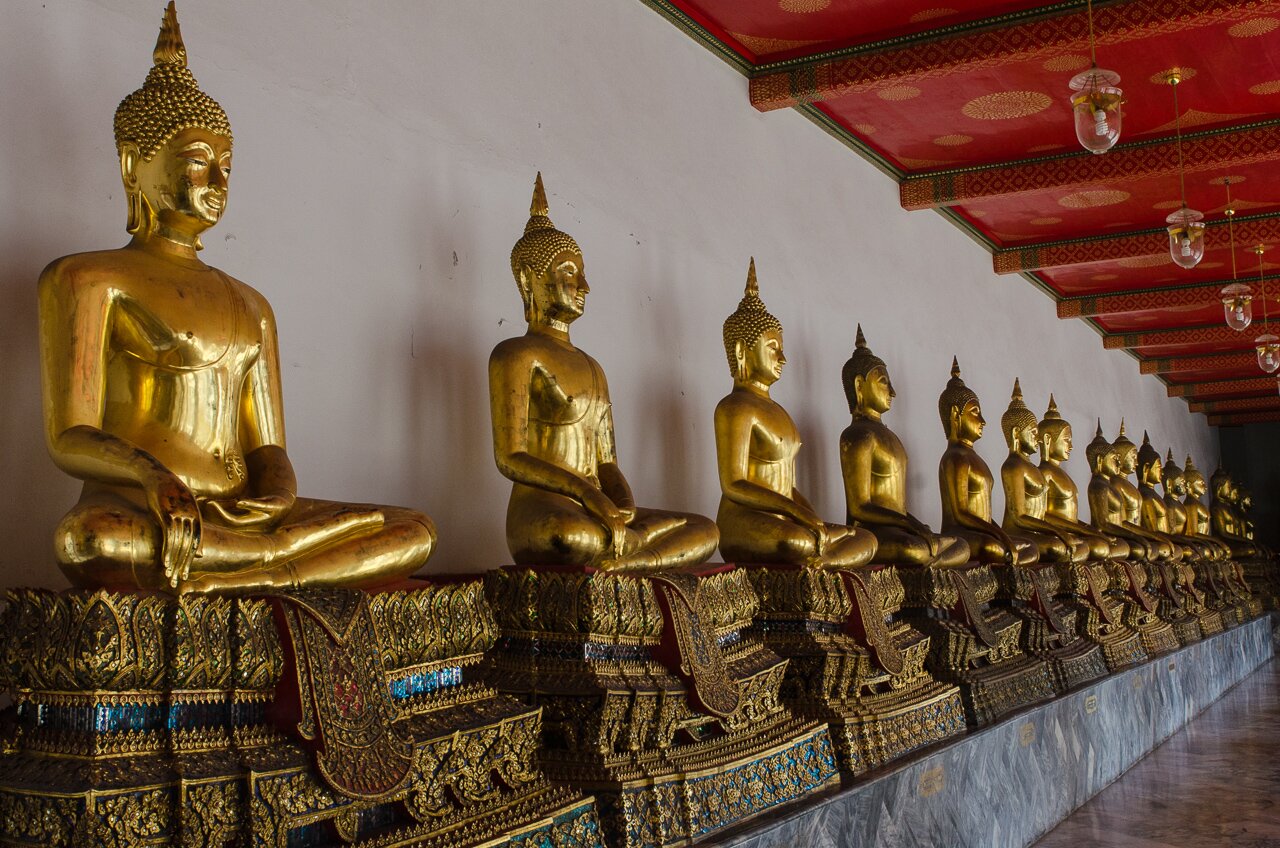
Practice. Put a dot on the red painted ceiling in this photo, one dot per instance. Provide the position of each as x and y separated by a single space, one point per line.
967 101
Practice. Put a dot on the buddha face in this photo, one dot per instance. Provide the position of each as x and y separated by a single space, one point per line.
560 294
1196 487
1127 458
762 361
875 391
1026 439
1058 447
1111 463
1176 485
185 183
967 423
1153 473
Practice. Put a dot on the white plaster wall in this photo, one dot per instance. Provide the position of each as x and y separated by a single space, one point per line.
384 160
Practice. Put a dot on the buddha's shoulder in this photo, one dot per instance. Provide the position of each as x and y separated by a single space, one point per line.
88 267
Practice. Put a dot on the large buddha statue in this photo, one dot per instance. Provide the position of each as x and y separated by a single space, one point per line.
874 464
1062 496
763 517
553 430
162 388
966 481
1225 520
1026 491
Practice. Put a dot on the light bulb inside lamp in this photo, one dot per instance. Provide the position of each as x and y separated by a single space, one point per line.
1096 102
1268 347
1237 306
1186 237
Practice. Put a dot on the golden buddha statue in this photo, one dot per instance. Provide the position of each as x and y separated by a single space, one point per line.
1225 520
1026 491
1154 512
966 481
553 430
1062 507
763 517
1181 524
162 388
874 464
1126 463
1198 522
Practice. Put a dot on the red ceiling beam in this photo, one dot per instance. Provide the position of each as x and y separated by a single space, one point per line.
1151 300
1266 403
1243 418
993 47
1208 153
1216 361
1036 257
1216 334
1224 389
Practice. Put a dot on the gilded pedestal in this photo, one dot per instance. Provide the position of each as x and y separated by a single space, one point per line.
142 719
1133 587
1049 629
853 662
656 697
1099 615
971 644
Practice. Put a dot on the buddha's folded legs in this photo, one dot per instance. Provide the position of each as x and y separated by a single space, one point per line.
748 535
107 540
986 549
899 547
1053 549
544 528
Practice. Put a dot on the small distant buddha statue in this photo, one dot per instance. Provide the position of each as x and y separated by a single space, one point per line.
1063 497
1026 491
1225 520
874 465
1106 508
553 430
763 517
966 481
1131 502
1155 513
162 388
1181 525
1198 522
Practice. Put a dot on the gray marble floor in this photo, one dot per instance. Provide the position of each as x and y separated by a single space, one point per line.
1006 785
1215 782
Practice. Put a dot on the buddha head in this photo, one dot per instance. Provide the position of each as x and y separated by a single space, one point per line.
548 268
753 338
1221 484
1175 479
1195 481
959 409
1100 454
1055 434
174 143
1149 469
867 387
1126 452
1021 432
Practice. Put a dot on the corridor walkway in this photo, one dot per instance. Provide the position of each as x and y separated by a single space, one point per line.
1214 783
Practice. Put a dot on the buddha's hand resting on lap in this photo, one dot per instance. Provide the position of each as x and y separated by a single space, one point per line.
245 513
178 517
607 513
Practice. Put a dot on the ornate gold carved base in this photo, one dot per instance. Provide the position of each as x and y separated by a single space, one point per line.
1099 615
973 645
836 674
1262 576
148 720
610 660
1049 629
1133 586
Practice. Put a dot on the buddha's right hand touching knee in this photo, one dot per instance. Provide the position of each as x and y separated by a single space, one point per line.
178 517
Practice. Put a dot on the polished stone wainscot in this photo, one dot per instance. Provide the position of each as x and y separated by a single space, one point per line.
1009 784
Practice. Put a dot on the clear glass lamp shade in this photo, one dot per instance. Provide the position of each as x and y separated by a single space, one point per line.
1186 237
1268 352
1237 306
1096 102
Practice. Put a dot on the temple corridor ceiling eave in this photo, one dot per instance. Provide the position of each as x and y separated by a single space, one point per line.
888 80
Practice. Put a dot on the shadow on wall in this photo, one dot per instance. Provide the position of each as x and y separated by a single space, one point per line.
1250 454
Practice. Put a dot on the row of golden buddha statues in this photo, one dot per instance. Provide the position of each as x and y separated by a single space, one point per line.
239 665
